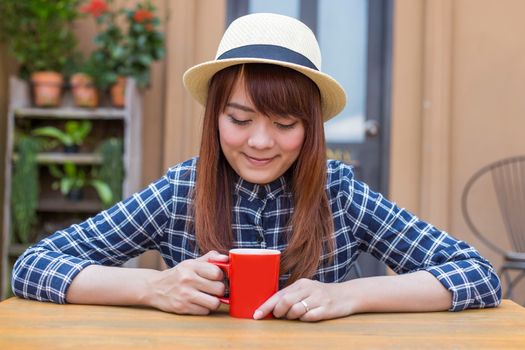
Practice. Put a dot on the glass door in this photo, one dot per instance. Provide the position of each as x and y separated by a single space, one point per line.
355 37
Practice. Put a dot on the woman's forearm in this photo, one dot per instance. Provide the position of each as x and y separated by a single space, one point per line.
418 291
107 285
191 287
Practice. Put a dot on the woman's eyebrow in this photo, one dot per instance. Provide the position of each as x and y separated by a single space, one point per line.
241 107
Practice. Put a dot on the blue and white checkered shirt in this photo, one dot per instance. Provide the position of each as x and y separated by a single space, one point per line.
158 218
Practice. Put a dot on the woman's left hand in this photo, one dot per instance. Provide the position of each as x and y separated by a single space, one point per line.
306 300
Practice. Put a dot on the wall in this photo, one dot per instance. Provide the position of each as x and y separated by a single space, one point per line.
192 38
459 77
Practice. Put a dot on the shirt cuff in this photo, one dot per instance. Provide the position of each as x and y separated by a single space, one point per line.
59 275
472 285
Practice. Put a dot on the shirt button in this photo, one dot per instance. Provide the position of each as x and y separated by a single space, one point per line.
261 194
259 239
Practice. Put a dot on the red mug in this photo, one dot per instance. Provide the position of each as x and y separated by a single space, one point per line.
253 276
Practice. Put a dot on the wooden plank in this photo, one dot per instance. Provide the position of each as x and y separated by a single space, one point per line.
61 158
62 205
69 113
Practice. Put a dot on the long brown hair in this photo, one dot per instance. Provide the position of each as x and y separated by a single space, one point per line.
274 91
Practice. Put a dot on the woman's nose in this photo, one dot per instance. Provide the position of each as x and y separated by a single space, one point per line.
261 138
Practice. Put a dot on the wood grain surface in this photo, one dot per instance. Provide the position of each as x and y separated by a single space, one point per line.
28 324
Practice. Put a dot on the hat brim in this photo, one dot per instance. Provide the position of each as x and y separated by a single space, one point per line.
333 97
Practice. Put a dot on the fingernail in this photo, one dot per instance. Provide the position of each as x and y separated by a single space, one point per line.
257 315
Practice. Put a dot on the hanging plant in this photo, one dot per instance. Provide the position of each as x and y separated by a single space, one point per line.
25 188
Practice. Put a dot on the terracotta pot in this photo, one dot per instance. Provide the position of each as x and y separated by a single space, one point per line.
117 92
84 91
47 88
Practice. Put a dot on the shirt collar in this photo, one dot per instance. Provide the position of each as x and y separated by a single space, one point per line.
253 191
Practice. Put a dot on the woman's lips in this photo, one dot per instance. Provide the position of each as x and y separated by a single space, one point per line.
258 161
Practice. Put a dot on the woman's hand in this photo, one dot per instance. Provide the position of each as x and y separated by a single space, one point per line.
306 300
309 300
191 287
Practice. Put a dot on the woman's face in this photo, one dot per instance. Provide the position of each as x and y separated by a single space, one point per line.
259 148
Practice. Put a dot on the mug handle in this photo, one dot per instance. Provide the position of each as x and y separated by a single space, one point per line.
226 268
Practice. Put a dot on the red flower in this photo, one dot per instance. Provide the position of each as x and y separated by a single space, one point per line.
142 16
95 7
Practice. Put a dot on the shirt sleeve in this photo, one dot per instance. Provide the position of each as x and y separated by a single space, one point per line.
45 271
407 244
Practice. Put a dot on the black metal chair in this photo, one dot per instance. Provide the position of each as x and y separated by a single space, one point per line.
507 176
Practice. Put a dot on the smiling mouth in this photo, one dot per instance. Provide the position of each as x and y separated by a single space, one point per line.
258 161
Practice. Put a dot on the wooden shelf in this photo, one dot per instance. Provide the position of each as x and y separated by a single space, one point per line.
70 113
55 211
61 158
62 205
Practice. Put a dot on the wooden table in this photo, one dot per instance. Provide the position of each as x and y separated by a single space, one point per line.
34 325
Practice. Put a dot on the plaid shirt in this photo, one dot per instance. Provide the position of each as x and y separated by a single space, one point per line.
159 218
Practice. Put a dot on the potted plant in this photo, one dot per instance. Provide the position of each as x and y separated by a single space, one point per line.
84 87
128 43
72 181
40 38
73 136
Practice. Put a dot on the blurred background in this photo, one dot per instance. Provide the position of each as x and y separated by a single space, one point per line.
435 93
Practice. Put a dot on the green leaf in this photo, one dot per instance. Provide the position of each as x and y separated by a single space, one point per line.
55 171
66 184
85 129
103 190
78 130
159 53
118 52
81 179
70 169
71 126
50 131
145 60
141 41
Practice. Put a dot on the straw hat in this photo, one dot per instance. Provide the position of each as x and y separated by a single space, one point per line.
274 39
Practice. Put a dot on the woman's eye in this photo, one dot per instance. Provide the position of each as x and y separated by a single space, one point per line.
238 121
285 126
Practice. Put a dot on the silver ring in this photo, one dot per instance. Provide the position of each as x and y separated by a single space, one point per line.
305 305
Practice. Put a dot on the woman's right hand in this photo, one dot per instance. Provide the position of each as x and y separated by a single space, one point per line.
191 287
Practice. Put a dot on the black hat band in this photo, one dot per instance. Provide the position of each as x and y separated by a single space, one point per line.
270 52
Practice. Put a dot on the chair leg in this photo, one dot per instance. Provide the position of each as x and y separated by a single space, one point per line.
517 279
511 283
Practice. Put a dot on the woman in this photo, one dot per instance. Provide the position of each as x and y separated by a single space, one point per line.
261 180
